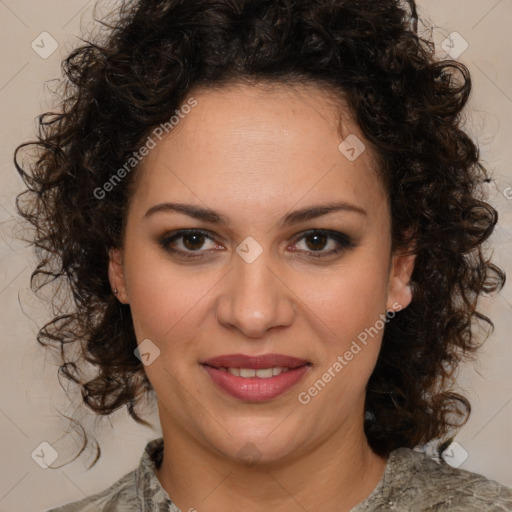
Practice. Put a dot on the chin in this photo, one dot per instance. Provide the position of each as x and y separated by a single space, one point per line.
258 445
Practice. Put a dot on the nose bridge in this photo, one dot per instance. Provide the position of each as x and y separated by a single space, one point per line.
255 299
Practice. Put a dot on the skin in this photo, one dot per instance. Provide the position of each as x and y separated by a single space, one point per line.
255 154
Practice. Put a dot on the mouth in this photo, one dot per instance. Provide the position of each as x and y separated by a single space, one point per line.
255 378
261 373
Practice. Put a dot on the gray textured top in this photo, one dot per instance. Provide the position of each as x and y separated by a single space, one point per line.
412 481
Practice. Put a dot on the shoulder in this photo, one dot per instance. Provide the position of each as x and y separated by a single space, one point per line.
417 482
119 497
137 490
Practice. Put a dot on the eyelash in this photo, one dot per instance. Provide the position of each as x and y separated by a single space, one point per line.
344 242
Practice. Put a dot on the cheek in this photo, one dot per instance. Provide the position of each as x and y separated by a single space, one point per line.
349 305
166 304
163 297
349 299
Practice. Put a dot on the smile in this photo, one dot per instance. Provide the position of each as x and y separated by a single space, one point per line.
264 373
255 378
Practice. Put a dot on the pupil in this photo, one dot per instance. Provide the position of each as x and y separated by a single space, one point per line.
316 245
199 240
195 241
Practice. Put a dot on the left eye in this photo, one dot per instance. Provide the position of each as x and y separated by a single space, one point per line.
317 240
190 243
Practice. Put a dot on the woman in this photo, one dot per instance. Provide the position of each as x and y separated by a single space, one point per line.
270 218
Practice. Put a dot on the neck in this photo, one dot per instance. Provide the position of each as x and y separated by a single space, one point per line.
333 476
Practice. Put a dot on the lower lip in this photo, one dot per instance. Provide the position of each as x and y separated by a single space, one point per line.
254 389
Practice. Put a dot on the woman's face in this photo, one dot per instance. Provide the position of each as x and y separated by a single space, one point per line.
256 170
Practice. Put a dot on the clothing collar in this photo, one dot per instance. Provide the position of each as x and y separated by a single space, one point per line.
154 498
150 493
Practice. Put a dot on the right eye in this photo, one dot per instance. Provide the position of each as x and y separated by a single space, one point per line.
186 242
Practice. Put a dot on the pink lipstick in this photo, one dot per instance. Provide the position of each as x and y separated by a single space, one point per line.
255 378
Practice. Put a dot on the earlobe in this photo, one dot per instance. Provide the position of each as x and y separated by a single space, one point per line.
116 275
399 287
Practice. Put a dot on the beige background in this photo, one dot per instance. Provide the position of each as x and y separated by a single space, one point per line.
31 396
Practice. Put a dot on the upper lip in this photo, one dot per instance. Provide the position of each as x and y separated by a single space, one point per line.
254 362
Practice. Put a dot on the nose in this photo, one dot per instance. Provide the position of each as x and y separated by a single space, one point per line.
255 299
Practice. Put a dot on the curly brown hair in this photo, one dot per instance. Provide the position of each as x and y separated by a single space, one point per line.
408 104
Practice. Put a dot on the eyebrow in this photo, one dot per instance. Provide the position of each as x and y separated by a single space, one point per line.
211 216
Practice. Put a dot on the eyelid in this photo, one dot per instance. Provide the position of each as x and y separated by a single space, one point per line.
167 238
344 242
336 235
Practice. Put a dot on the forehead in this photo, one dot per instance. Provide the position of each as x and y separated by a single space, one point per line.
264 145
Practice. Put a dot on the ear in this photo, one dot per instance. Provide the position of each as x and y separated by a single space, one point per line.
399 288
116 275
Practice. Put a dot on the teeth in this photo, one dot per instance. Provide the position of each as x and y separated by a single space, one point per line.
263 373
